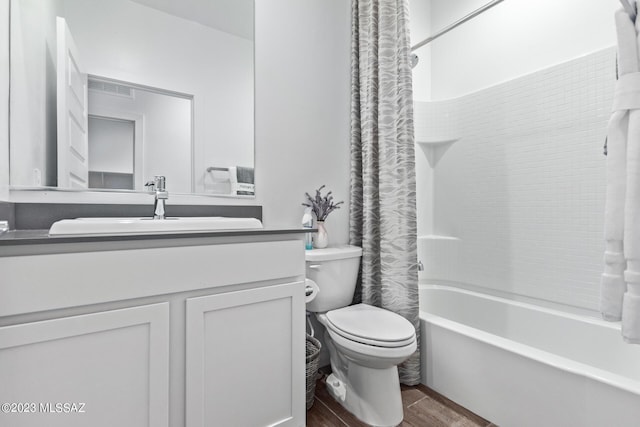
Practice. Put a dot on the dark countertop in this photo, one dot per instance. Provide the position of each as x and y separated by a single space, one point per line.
30 222
40 237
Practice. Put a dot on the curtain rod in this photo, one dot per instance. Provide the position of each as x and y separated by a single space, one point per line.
456 24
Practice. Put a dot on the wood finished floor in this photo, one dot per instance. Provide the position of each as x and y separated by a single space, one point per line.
423 407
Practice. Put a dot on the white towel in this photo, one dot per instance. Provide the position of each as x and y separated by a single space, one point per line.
631 303
613 287
242 180
631 307
627 49
620 296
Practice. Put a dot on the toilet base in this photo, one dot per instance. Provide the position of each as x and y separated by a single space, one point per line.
372 395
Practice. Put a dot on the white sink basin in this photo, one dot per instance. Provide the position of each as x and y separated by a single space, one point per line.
70 227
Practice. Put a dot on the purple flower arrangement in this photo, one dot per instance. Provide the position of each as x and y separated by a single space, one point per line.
321 205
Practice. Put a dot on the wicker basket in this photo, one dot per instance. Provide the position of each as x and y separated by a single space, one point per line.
313 352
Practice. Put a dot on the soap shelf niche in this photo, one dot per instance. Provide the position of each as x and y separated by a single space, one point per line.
434 148
436 254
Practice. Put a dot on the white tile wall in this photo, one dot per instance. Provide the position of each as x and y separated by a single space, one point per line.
523 189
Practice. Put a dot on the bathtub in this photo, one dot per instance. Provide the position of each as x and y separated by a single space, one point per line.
518 364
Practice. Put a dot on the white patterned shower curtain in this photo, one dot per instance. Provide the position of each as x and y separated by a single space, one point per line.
620 286
383 190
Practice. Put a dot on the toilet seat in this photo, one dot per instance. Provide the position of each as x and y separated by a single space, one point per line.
369 325
371 355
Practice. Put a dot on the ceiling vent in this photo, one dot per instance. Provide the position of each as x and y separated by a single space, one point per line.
111 88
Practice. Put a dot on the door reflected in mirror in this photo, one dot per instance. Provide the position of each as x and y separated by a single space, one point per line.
111 148
136 133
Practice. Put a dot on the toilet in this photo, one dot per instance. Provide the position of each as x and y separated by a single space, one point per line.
365 343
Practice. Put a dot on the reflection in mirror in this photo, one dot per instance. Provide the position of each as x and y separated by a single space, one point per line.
136 133
111 148
203 48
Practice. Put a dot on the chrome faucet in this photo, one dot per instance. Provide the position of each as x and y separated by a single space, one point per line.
158 187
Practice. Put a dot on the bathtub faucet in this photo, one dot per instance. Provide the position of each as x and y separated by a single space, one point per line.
158 188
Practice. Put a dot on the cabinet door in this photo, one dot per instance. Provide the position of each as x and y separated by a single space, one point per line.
100 369
245 358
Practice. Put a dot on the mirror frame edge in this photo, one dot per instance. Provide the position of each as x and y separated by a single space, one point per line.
5 80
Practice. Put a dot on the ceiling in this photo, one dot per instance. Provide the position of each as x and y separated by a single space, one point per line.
231 16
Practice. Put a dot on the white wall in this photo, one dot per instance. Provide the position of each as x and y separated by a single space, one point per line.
167 138
302 107
33 81
420 27
444 13
512 39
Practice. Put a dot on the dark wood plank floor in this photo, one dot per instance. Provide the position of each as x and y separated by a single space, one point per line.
423 407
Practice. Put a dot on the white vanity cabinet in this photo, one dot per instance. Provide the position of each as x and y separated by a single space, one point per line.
240 363
101 369
191 332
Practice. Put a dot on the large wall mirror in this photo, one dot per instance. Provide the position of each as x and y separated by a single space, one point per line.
107 94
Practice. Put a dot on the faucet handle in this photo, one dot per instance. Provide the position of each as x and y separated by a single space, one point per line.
160 182
151 185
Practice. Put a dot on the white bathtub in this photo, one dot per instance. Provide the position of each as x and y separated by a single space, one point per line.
519 364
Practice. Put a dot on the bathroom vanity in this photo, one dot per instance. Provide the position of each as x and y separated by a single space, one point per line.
191 329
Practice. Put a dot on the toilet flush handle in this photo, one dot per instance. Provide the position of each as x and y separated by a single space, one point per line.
315 266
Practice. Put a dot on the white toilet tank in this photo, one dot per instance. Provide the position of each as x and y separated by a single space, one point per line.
335 270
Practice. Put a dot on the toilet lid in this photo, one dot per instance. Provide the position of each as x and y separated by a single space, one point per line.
371 325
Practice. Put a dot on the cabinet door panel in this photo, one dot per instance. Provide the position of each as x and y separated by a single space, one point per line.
113 365
245 358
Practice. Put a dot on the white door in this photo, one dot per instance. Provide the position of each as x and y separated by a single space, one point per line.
73 146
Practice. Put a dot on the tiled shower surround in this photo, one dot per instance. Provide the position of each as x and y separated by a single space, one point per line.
523 188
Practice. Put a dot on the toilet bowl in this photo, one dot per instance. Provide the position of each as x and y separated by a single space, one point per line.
365 343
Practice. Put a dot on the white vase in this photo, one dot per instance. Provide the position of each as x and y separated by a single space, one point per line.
321 240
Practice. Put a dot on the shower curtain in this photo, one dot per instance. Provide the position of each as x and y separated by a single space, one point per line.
383 195
620 286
